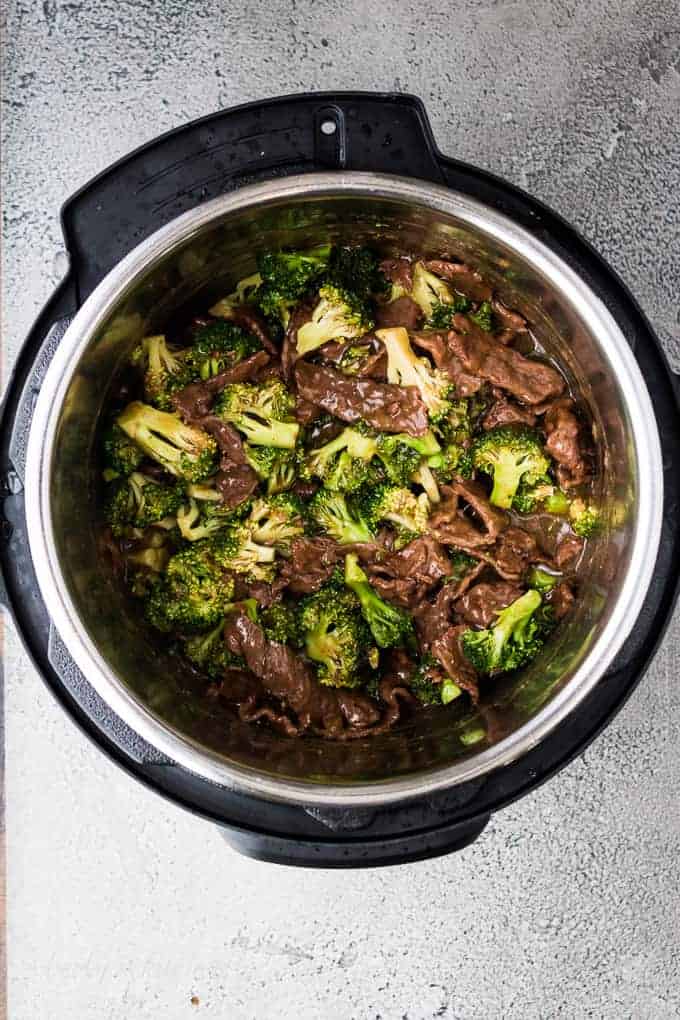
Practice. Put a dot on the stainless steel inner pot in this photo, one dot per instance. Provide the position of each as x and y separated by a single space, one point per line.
196 259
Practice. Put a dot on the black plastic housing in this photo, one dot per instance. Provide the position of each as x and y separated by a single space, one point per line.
131 200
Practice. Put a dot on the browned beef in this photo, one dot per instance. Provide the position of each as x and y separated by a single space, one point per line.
399 272
235 480
562 599
511 322
568 551
463 508
563 432
433 618
250 320
402 312
483 602
285 676
373 365
513 552
506 412
301 314
463 279
405 577
531 382
385 406
310 563
447 649
436 345
195 400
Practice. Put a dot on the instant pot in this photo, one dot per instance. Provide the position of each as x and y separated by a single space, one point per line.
163 233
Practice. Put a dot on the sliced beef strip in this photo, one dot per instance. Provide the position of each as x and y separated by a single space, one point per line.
235 480
195 400
387 407
301 313
310 564
399 272
305 412
451 525
448 651
506 412
432 619
250 320
531 382
511 322
463 279
402 312
561 599
513 552
563 444
568 551
435 343
483 602
404 577
334 713
372 366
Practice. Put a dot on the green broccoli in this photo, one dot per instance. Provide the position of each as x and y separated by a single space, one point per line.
452 460
165 371
287 277
406 369
354 357
243 293
397 505
182 450
531 497
336 635
541 580
262 413
427 685
585 518
209 652
121 455
235 549
401 455
219 346
281 622
137 501
437 301
273 465
339 315
344 463
196 521
390 626
331 513
356 270
483 317
511 455
192 593
513 640
277 520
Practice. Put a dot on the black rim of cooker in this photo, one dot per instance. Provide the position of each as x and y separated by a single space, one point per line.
101 223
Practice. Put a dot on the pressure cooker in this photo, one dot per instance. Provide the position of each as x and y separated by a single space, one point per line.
173 226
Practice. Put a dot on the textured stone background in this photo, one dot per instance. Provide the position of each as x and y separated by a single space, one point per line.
120 904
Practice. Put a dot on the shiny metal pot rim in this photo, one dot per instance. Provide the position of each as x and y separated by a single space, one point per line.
94 313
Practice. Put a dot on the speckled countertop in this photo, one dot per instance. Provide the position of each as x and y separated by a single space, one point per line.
121 905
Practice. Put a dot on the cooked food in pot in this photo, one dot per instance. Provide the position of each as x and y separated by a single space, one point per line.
350 491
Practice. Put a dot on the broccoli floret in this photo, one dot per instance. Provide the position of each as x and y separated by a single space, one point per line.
243 293
389 625
511 455
401 454
542 580
585 518
452 460
339 315
438 302
273 465
262 414
235 549
183 450
209 652
287 277
121 455
483 317
427 685
165 371
397 505
336 635
281 622
277 520
197 521
218 346
344 464
192 593
137 501
357 271
406 369
557 502
331 513
353 358
513 640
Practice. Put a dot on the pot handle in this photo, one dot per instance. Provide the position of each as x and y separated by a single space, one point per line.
356 852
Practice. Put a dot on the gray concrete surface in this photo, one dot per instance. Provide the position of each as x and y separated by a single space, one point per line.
122 906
